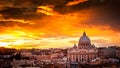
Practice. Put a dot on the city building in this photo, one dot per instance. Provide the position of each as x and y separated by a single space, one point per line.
84 52
118 52
109 52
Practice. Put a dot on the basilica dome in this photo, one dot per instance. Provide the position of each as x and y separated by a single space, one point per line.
84 40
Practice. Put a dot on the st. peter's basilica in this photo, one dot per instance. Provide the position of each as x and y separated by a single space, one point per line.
83 52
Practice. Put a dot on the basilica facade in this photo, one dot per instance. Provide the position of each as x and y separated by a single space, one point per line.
83 52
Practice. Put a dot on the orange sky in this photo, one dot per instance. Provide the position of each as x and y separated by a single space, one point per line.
56 29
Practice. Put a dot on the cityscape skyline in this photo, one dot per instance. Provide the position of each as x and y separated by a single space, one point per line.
59 33
58 23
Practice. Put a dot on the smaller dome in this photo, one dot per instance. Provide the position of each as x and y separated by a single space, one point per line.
75 46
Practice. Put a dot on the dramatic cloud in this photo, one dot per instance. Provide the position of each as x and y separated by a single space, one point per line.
31 21
75 2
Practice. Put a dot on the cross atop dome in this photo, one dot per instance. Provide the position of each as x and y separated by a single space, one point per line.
84 34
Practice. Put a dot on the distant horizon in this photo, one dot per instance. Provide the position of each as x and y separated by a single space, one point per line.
60 47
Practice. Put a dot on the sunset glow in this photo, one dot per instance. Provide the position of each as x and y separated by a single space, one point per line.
56 24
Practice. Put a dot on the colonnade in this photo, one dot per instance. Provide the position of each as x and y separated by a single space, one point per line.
81 57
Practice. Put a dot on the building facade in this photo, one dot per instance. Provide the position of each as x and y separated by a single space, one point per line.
83 52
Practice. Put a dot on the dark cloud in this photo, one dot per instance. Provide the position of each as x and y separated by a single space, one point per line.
105 16
10 12
107 11
20 13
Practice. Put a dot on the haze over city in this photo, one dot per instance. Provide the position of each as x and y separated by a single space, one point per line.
58 23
